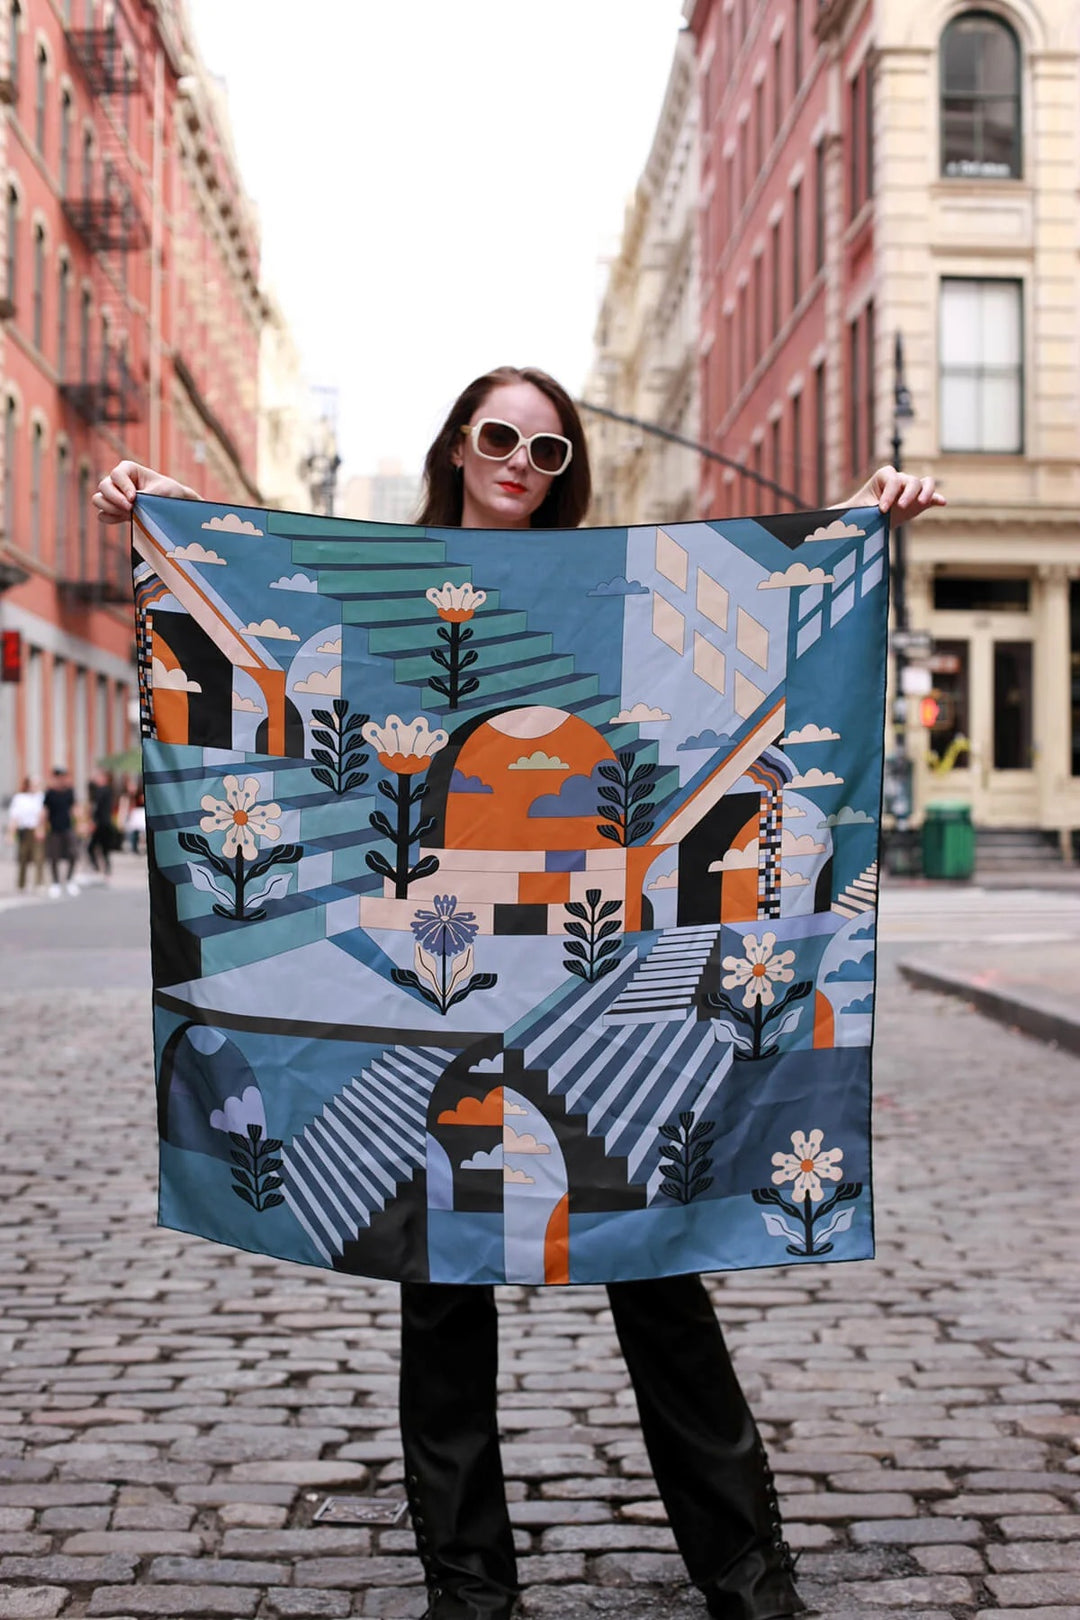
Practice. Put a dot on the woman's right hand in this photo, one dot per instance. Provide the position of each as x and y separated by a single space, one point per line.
116 493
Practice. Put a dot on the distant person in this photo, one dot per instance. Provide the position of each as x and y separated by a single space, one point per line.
102 807
135 820
512 455
25 820
60 836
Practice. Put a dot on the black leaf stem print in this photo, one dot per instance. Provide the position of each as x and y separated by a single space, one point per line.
256 1168
592 950
454 658
339 748
685 1156
625 800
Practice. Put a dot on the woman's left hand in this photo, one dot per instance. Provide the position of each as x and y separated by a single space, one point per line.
905 493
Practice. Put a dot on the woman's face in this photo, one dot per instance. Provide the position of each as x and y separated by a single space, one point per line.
505 494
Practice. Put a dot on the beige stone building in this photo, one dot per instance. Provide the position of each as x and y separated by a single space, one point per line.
645 362
976 233
286 417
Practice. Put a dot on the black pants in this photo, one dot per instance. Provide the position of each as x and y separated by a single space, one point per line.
698 1429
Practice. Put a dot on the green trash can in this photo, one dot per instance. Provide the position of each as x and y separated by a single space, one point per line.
948 841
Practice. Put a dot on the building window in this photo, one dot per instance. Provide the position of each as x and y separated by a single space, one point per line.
39 286
84 336
65 142
63 498
777 279
797 44
87 163
62 314
11 413
860 139
758 460
819 434
854 395
759 126
980 99
729 193
796 244
744 369
730 360
14 25
759 307
777 84
12 240
775 468
796 445
861 390
82 520
819 205
981 366
41 97
1012 706
37 448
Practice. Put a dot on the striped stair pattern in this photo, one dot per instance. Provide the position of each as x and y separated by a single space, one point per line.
663 985
348 1163
860 895
628 1081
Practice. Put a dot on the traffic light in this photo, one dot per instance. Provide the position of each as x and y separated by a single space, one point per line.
929 710
11 655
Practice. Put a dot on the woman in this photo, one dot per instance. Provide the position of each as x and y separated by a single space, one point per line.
512 454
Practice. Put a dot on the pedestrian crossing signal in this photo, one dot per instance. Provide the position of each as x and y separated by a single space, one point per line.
11 655
929 710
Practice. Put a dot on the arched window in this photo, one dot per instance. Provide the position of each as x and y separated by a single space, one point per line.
15 23
37 450
62 317
12 240
88 163
63 501
39 286
65 142
41 95
84 336
980 99
11 419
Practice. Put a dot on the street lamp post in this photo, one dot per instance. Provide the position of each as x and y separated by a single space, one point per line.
899 774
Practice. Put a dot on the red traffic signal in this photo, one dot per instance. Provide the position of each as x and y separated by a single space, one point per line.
11 655
929 710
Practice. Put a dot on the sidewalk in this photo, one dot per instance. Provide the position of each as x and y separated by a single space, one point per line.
128 872
1031 987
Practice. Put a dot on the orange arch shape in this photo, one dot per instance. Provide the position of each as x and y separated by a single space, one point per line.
557 1243
824 1022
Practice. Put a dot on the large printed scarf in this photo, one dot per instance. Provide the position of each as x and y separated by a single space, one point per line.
513 893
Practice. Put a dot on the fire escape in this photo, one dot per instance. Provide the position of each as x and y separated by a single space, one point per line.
98 382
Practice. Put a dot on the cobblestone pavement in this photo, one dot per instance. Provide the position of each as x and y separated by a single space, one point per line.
172 1412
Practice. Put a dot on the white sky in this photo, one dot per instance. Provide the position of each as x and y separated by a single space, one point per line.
437 181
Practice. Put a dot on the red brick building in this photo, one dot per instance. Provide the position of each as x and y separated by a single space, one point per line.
130 316
787 226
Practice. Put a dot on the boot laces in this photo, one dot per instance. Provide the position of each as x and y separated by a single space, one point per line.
786 1559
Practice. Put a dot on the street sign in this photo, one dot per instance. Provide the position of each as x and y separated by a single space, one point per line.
915 643
11 655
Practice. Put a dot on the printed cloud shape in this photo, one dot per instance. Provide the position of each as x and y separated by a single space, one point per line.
865 930
294 582
322 684
853 972
331 647
794 578
815 778
233 523
196 552
519 1176
270 630
738 860
492 1065
703 739
666 880
512 1108
864 1004
538 761
792 844
620 586
847 817
460 783
793 812
577 796
525 1143
171 680
491 1160
837 530
639 715
811 734
792 880
473 1111
246 705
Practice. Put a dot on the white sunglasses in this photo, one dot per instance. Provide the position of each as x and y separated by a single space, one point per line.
495 440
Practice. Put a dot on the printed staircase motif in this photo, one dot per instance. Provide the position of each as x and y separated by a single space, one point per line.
860 894
664 984
348 1163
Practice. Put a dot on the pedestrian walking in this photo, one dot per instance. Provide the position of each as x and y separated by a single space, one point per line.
102 807
135 818
25 819
512 455
60 835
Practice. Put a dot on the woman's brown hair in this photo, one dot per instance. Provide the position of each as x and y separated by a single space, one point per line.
566 502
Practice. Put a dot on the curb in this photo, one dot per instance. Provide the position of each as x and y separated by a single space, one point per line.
1006 1006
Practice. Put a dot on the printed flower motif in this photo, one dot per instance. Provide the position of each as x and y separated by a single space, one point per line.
757 972
240 1112
807 1166
240 818
455 603
406 749
445 929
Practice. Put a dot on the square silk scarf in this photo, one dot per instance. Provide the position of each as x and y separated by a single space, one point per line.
513 893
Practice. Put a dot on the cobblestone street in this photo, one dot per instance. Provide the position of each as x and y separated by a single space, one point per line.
173 1412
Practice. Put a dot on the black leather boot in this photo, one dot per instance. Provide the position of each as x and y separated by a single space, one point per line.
450 1438
706 1453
